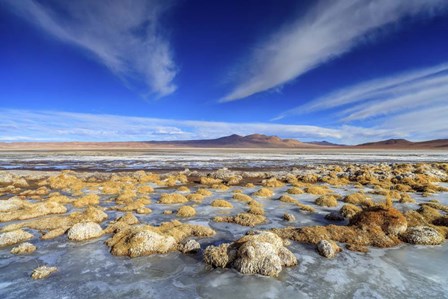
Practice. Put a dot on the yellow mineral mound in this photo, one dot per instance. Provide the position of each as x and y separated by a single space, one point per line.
186 211
317 190
242 197
221 203
264 192
140 240
172 198
328 200
88 200
259 253
245 219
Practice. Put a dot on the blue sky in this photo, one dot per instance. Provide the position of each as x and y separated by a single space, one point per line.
347 71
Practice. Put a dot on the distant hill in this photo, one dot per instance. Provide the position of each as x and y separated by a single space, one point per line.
237 141
324 143
406 144
232 141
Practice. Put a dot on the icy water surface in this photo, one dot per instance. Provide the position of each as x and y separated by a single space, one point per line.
88 270
205 159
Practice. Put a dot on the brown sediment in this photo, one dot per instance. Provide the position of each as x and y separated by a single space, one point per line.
377 226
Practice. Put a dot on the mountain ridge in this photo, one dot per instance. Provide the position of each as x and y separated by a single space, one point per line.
231 141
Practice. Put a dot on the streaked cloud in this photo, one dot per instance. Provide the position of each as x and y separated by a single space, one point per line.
64 126
24 125
412 105
125 35
384 96
328 30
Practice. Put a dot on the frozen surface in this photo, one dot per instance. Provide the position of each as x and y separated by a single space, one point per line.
88 270
204 159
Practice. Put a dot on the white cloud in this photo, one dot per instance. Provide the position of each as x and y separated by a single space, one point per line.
64 126
23 125
125 35
412 105
328 30
418 124
385 96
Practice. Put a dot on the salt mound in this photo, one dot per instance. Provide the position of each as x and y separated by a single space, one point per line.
390 220
326 201
264 192
221 203
24 248
423 235
14 237
327 249
140 240
260 253
172 198
186 211
42 272
84 231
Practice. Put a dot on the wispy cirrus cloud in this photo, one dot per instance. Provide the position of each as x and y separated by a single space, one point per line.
384 96
124 35
412 105
328 30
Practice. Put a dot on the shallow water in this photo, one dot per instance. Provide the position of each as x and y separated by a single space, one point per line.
205 159
88 270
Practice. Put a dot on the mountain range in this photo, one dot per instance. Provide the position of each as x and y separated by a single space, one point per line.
232 141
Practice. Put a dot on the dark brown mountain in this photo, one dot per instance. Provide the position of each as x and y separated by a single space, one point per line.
406 144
